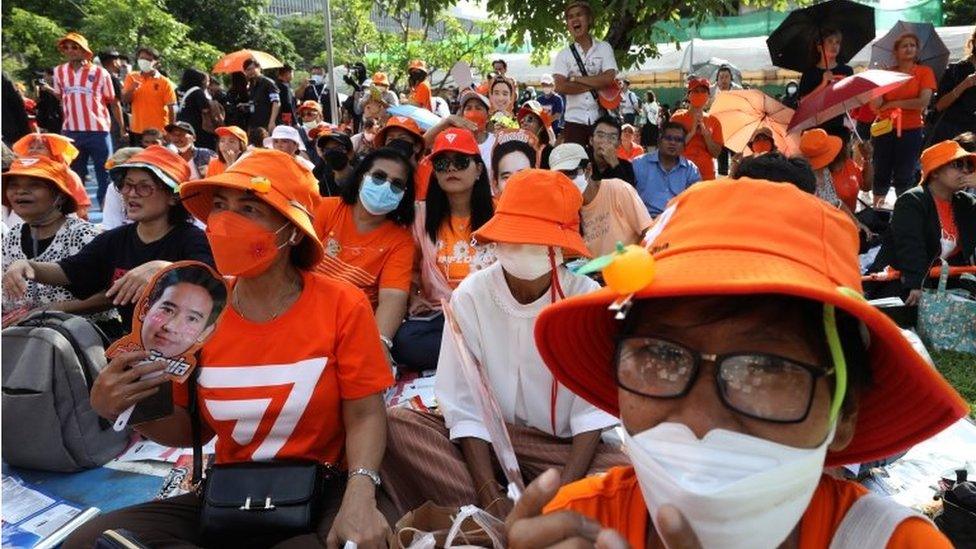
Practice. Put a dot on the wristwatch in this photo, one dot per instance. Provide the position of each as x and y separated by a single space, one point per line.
369 473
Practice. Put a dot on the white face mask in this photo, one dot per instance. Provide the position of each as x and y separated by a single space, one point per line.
315 78
525 261
145 65
310 125
736 491
581 182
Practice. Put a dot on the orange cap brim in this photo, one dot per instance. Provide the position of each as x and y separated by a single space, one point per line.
518 229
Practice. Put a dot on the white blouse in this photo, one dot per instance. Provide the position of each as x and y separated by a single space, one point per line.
499 333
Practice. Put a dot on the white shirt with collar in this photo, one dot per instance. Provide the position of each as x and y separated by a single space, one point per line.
582 108
499 333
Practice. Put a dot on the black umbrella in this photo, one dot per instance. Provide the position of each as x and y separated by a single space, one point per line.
790 44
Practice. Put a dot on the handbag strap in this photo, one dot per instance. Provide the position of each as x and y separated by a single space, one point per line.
193 409
943 276
582 68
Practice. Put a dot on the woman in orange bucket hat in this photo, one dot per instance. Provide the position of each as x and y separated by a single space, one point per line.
742 364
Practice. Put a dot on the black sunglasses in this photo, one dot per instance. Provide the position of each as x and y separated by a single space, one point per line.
444 162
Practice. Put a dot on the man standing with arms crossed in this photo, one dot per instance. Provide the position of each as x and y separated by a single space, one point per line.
596 56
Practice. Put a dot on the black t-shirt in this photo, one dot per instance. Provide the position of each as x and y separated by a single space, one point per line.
113 253
320 93
810 79
624 171
287 98
961 115
27 242
192 110
262 92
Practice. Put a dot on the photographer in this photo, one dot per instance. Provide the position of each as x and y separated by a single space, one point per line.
49 117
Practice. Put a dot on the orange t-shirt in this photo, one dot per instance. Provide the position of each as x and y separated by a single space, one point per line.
950 232
922 78
274 390
629 154
695 150
381 258
149 101
847 183
215 167
614 500
421 95
454 250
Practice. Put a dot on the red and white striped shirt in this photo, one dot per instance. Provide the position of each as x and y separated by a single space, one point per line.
85 96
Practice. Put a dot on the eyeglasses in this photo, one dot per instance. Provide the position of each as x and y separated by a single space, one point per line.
444 162
965 165
397 184
141 190
673 138
70 46
606 135
757 385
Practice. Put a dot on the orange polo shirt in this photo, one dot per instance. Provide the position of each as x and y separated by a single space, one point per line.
624 153
695 150
149 101
614 500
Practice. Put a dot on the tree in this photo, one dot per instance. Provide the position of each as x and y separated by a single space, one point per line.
958 12
234 24
31 39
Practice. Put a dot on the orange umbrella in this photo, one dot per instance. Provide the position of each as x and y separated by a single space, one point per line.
742 112
234 62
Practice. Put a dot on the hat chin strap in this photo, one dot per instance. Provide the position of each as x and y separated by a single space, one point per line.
555 289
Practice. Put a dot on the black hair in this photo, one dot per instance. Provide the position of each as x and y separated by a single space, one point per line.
191 78
256 135
439 209
966 140
778 306
609 120
153 132
177 213
349 191
502 61
198 276
151 51
512 146
651 97
249 62
818 37
313 67
775 166
673 126
723 68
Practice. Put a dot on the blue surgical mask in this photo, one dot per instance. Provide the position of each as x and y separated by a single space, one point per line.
379 197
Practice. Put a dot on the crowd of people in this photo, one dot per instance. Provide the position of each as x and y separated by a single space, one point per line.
724 329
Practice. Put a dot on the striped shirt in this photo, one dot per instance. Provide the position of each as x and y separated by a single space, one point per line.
85 96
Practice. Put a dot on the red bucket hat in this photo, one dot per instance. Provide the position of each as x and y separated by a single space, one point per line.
715 241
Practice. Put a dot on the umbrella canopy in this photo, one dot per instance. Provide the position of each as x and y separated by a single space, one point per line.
932 51
709 69
234 62
844 95
423 117
790 44
742 112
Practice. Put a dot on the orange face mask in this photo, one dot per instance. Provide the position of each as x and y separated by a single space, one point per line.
240 246
760 146
698 99
478 117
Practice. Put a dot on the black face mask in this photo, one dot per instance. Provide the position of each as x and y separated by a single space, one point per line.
402 146
336 159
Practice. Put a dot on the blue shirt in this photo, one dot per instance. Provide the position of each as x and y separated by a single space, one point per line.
656 186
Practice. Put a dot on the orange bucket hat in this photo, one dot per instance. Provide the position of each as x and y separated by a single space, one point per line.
164 163
232 131
819 147
380 79
275 178
61 148
538 207
940 154
77 39
417 65
39 167
714 240
402 122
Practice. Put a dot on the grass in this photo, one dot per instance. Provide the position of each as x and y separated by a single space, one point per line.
960 370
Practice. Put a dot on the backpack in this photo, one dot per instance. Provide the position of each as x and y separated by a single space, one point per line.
50 361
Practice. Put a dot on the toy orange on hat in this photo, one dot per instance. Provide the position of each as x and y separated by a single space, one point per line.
714 240
39 167
538 207
164 163
77 39
275 178
402 122
232 131
940 154
819 147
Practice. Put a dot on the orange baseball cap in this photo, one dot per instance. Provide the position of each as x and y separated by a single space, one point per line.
940 154
538 207
275 178
232 131
380 79
695 83
59 147
40 167
77 39
819 147
403 122
310 105
455 140
164 163
417 65
714 240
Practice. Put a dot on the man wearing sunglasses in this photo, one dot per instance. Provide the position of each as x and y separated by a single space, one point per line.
744 363
665 173
87 94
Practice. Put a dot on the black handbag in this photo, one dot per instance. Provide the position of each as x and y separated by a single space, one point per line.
258 503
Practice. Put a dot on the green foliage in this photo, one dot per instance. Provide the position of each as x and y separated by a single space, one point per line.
353 33
231 25
959 369
958 12
30 40
69 14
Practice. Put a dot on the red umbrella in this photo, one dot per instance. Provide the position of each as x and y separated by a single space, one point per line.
844 95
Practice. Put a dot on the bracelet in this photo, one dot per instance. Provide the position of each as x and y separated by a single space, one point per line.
387 341
368 473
